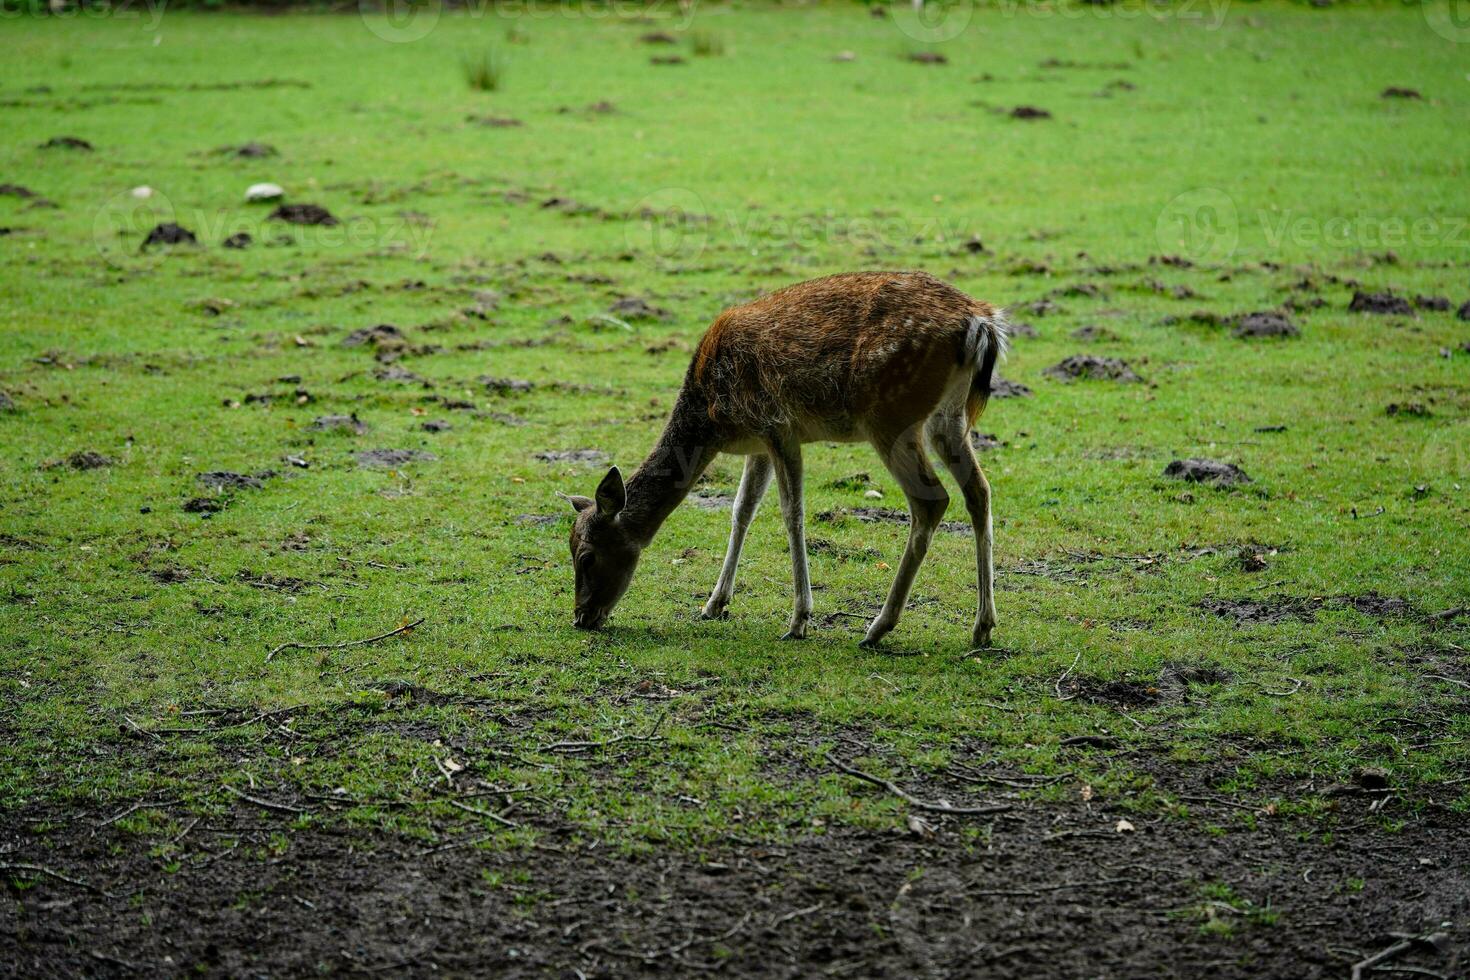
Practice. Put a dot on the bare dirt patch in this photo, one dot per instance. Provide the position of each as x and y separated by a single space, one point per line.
1089 367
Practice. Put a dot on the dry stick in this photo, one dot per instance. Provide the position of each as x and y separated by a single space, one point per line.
1447 680
267 804
1044 889
1285 694
1065 673
1383 956
296 645
482 813
912 800
41 869
134 809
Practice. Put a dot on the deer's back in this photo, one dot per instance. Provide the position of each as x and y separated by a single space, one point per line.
834 356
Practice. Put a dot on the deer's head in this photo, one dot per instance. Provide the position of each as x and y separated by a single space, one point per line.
604 554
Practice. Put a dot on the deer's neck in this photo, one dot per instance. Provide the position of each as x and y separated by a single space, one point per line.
683 451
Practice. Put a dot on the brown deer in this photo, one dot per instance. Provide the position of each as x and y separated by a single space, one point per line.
887 357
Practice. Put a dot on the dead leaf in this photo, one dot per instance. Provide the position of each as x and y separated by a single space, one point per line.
1085 792
1123 827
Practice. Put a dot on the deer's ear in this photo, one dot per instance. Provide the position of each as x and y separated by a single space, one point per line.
611 495
579 504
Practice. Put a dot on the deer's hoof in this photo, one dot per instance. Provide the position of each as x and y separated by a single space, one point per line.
795 633
981 639
723 612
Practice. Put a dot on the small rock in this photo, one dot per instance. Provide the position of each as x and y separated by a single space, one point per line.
1206 471
169 234
258 193
973 245
873 494
142 193
844 56
1380 303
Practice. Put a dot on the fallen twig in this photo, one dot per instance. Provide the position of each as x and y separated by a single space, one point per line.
1285 694
297 645
912 800
1065 674
1384 955
1447 680
1045 889
134 809
267 804
482 813
41 869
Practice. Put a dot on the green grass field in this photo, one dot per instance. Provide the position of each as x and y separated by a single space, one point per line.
1253 143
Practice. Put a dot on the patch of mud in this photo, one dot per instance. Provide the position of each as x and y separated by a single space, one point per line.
248 151
711 500
496 122
1399 92
927 58
339 423
884 515
1434 304
303 214
239 240
16 190
585 457
1380 303
400 375
1089 367
1020 328
1206 471
1413 410
392 458
1029 112
1265 611
658 37
380 335
842 553
204 505
435 426
986 441
168 234
506 386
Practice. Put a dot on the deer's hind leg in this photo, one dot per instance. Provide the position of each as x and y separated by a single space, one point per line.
753 484
785 452
950 435
905 458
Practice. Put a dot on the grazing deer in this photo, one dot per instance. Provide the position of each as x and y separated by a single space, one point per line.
887 357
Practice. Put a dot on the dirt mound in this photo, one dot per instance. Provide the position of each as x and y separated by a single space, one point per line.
7 404
1412 410
226 480
392 458
248 151
1380 303
1463 313
240 239
1434 304
1264 324
383 333
303 214
666 59
1029 112
436 425
16 190
658 37
637 308
86 459
1398 92
338 423
1088 367
168 233
399 375
1002 388
927 58
1374 605
67 143
496 122
1206 471
1092 333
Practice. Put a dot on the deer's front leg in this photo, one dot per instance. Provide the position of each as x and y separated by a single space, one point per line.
753 484
785 453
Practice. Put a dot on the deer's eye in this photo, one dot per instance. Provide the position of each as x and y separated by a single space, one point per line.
584 561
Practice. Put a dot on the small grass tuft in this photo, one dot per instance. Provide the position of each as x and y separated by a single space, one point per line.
706 44
483 72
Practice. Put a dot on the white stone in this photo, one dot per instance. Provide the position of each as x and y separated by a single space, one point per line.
143 192
264 192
